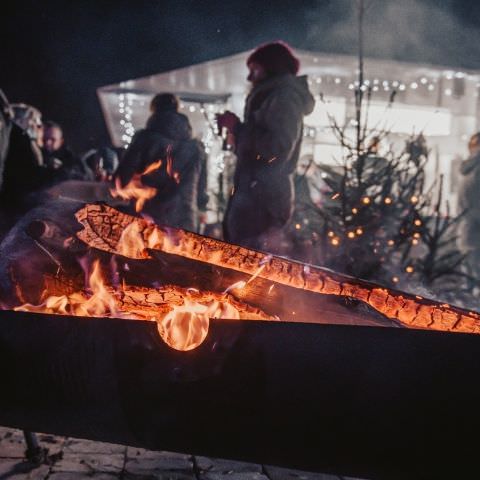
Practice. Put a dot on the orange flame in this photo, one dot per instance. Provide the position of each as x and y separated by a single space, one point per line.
170 172
135 189
182 323
186 326
96 304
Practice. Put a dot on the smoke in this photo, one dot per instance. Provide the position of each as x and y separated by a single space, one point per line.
58 53
410 30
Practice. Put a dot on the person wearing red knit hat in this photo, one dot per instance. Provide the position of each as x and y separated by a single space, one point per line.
267 144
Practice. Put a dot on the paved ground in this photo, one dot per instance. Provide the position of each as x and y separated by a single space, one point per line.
105 461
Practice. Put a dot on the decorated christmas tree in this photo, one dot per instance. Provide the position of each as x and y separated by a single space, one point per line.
381 221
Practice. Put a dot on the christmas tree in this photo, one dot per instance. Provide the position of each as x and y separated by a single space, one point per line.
381 222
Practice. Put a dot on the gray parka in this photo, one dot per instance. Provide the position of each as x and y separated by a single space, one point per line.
267 149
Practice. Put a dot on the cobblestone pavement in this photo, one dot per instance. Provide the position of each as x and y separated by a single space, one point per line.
105 461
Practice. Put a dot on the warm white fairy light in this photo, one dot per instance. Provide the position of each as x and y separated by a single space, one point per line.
125 103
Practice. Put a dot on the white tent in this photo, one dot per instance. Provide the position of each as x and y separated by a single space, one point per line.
439 101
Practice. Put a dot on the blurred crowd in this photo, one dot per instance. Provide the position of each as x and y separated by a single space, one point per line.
163 172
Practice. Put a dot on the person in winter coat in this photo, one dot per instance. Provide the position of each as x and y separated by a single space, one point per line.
60 161
180 179
267 145
469 238
24 171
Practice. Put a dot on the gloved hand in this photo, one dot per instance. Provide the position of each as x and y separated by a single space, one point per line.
227 120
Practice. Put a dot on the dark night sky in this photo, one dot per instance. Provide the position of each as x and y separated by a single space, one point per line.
55 54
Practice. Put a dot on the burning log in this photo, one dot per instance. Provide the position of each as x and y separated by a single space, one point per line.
110 230
182 315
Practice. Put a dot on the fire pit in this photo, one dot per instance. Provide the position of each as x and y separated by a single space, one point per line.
269 361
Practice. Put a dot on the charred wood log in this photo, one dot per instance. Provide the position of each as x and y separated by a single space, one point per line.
45 239
109 230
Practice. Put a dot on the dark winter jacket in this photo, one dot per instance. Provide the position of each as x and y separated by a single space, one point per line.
23 173
64 165
181 187
468 199
267 148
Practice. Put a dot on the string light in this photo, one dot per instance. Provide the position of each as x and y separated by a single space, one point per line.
366 200
359 231
388 200
395 279
418 223
354 211
409 269
125 102
351 235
